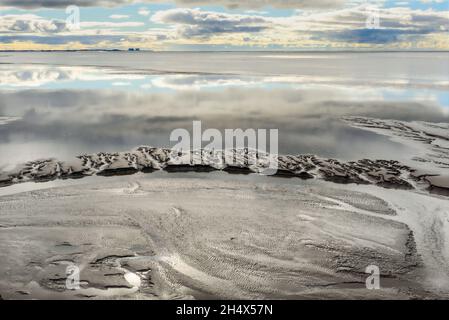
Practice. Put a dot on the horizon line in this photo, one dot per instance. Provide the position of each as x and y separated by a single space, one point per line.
218 51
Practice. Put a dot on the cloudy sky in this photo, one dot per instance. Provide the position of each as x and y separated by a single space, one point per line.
225 24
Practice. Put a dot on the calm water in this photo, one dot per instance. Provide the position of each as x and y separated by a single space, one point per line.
65 104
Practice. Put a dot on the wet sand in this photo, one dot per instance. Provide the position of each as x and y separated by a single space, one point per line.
182 237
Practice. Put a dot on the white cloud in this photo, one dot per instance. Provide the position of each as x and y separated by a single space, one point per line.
144 12
430 1
119 16
105 24
36 76
30 23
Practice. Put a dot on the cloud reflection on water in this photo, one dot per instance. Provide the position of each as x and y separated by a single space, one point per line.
68 110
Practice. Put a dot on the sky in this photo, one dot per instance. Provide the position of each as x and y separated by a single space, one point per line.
224 25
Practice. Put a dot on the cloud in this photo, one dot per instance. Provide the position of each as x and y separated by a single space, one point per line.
254 4
371 36
432 1
107 24
396 25
144 12
33 24
118 16
38 30
30 23
400 28
346 26
251 4
356 18
62 39
195 22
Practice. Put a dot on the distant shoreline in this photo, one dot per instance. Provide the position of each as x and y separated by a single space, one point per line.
233 51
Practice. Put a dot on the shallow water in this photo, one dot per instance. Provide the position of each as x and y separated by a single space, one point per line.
65 104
